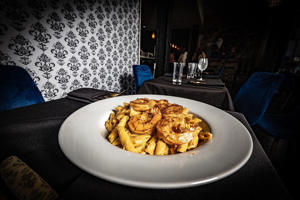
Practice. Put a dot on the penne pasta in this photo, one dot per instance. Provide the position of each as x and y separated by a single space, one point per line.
151 145
113 135
117 142
140 139
182 148
124 136
156 127
160 147
166 150
193 143
173 149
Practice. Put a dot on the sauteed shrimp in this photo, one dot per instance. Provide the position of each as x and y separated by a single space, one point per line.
144 122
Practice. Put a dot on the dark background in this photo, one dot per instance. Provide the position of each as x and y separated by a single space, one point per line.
258 35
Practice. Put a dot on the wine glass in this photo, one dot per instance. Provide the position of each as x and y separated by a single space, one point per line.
202 65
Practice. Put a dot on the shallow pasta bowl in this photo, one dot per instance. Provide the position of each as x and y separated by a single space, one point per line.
82 138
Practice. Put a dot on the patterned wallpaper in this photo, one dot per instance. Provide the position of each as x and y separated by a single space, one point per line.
70 44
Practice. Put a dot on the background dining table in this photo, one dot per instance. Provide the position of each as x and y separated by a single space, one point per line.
213 91
31 133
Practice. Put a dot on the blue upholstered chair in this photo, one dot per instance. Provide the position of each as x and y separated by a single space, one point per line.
281 125
253 100
220 72
141 73
255 95
17 89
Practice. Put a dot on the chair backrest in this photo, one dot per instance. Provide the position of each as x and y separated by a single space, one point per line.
17 89
141 73
220 72
255 95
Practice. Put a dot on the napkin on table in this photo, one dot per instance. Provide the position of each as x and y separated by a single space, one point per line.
88 95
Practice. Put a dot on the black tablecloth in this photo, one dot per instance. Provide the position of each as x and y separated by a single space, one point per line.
31 133
213 92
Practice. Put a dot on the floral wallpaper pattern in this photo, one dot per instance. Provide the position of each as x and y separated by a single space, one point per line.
70 44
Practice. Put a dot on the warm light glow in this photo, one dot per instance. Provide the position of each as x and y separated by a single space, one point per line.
174 46
153 35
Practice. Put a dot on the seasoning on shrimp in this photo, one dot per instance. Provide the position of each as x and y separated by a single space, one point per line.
142 104
144 122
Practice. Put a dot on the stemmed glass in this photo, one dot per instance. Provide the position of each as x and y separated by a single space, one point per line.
202 65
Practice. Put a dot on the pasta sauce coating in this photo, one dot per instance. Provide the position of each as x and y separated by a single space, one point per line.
156 127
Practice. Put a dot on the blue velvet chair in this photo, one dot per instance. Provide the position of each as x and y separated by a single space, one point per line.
255 95
253 99
17 89
281 125
141 73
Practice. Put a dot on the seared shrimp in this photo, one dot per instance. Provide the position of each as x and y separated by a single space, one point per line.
174 110
142 104
175 131
162 104
144 122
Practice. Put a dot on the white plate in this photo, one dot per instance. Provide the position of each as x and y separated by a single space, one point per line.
82 139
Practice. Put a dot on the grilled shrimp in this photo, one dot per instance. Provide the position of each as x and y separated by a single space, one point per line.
145 122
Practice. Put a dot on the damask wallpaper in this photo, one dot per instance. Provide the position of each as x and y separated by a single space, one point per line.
70 44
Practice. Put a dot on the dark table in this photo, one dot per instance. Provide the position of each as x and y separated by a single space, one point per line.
31 133
214 92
